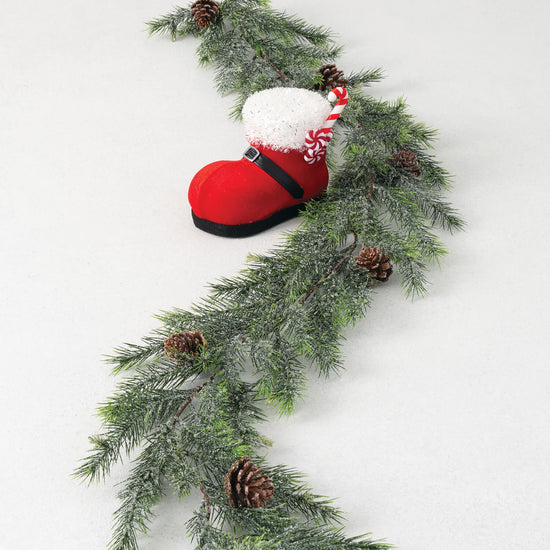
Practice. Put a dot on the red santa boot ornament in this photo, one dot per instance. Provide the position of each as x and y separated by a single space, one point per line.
288 130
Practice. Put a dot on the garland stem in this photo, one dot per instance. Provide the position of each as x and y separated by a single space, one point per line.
349 252
191 397
334 268
206 501
282 75
260 53
371 187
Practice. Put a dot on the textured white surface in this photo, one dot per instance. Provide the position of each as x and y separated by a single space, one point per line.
436 435
281 117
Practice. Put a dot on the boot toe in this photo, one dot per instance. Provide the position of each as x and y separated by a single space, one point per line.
235 193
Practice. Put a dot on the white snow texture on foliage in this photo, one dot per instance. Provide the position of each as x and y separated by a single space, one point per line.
281 117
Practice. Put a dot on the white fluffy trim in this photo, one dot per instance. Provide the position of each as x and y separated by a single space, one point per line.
281 117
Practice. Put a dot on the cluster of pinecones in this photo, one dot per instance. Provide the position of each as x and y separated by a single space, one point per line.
246 486
406 160
190 342
331 78
377 263
205 12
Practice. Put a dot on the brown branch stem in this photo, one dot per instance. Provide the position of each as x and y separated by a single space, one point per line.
259 52
282 75
191 397
206 501
371 187
362 127
334 268
349 252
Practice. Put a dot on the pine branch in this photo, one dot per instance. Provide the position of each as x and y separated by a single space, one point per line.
142 404
332 269
177 23
142 490
206 502
181 410
282 75
133 355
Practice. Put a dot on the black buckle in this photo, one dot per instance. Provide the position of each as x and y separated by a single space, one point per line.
276 172
251 154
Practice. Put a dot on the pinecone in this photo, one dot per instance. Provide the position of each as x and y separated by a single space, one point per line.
376 262
205 12
190 342
332 78
407 160
245 487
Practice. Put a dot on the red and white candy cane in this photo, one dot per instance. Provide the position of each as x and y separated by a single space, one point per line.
341 94
317 140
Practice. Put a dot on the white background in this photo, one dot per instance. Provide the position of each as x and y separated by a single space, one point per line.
436 435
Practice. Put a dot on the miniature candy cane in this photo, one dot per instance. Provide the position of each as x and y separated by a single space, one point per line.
341 94
317 140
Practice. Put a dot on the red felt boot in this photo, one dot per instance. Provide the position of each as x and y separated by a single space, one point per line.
276 175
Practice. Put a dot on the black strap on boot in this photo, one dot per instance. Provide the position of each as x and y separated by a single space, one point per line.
275 171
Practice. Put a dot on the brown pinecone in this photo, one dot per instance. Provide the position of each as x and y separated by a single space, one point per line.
205 12
377 263
332 78
190 342
245 487
407 160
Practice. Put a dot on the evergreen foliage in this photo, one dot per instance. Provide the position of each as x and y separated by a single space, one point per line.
183 424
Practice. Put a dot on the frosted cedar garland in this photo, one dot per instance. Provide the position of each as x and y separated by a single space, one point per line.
185 414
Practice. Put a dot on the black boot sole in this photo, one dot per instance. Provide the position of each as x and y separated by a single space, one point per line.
247 229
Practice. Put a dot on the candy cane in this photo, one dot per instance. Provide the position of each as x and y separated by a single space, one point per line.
317 140
341 94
